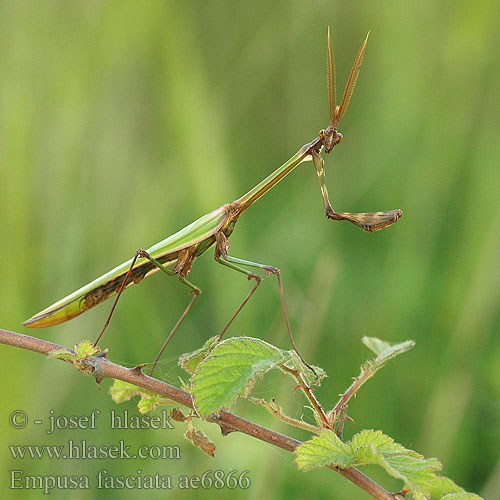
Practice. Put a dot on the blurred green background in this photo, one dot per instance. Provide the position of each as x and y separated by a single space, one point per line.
122 122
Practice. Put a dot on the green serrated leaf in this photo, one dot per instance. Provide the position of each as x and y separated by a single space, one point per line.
385 350
191 360
230 371
380 441
371 447
443 488
374 447
322 450
443 485
413 469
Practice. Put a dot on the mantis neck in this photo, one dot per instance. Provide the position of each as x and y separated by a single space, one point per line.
271 180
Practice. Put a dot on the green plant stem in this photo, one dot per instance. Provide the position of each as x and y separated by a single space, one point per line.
365 374
322 418
227 421
275 410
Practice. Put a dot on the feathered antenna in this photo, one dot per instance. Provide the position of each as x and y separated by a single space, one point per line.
351 83
331 78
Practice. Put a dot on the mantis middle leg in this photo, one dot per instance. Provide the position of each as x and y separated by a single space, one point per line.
223 258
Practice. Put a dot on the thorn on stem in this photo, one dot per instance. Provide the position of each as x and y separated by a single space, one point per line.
138 369
98 378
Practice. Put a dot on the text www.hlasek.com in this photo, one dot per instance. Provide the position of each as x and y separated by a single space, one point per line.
78 450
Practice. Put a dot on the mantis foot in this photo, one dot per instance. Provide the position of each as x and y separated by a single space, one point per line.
256 277
271 270
331 214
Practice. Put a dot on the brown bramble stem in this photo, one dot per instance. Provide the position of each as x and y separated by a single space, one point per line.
227 421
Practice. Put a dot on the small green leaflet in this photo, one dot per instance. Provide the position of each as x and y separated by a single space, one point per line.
370 447
385 350
230 371
83 352
123 391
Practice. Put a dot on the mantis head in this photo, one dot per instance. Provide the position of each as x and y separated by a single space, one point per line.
330 138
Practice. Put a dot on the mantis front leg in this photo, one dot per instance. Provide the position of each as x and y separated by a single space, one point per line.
369 221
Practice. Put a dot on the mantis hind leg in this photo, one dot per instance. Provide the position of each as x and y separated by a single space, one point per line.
223 258
194 290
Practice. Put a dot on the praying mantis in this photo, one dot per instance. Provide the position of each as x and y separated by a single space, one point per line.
213 229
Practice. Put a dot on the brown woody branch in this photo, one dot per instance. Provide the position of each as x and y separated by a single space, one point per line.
227 421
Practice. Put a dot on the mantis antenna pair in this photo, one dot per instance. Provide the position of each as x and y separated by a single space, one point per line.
182 248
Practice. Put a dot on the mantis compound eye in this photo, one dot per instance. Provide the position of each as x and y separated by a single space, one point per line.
338 138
